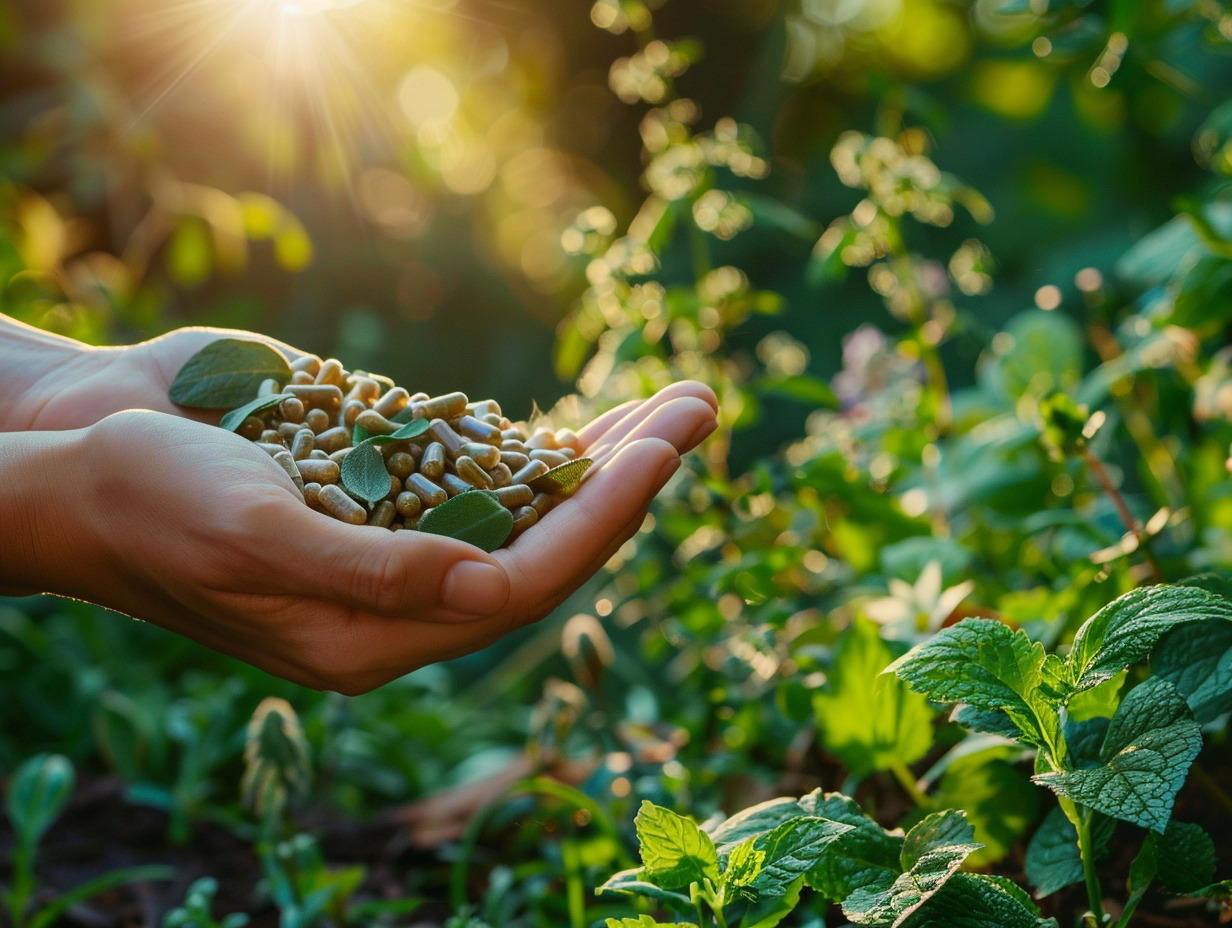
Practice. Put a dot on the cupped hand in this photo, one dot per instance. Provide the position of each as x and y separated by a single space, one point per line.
195 529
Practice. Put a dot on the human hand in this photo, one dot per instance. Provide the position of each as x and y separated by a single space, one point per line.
197 530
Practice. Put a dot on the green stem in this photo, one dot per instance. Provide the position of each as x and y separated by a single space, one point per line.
910 785
23 882
1095 894
574 888
1131 904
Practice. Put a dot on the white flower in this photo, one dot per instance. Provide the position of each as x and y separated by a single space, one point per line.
913 613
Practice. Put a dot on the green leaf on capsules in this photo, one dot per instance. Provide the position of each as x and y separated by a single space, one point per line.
364 474
476 517
235 418
409 430
226 373
562 479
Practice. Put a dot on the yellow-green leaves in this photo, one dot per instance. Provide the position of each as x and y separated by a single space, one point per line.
476 517
675 852
226 373
562 479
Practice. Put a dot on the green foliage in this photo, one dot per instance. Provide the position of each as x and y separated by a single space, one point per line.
226 373
364 474
235 418
476 517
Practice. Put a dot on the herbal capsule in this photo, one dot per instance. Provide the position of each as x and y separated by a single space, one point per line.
269 447
374 423
394 401
269 386
337 456
325 396
400 464
454 484
567 438
287 463
291 409
511 497
481 408
524 517
382 514
333 499
429 493
543 438
317 419
334 439
408 504
303 444
532 470
497 422
514 444
479 431
445 406
395 487
486 456
302 377
419 397
288 430
433 461
514 460
364 389
316 454
311 493
251 428
501 475
307 363
568 452
331 372
326 471
542 503
512 434
472 473
350 410
441 431
271 437
550 458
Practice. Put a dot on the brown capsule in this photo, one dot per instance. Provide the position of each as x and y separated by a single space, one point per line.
567 438
350 410
543 502
514 460
269 447
288 430
514 444
332 372
394 401
316 454
481 408
325 396
441 431
326 471
512 434
363 388
408 504
334 439
291 409
486 456
336 456
568 452
433 462
302 378
550 458
303 444
472 473
374 423
271 437
445 406
429 493
309 363
395 487
543 438
532 470
287 463
269 386
318 420
511 497
382 514
333 499
251 428
501 475
419 397
497 422
400 464
524 517
454 484
311 493
476 430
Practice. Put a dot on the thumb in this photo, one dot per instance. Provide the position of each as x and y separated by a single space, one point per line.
401 574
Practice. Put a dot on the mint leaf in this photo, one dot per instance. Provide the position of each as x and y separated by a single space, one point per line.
791 850
973 900
364 474
870 722
235 418
226 373
631 883
932 853
1197 659
675 852
988 721
987 665
1147 751
476 517
1053 859
862 858
743 863
755 820
1184 857
1125 631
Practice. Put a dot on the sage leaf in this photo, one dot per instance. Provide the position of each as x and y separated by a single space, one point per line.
562 479
870 722
1125 631
226 373
631 882
1053 859
409 430
476 517
675 852
363 473
235 418
792 849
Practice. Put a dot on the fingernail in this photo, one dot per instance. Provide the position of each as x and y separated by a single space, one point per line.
475 588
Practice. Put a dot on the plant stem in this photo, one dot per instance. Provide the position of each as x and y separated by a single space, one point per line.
1095 894
910 785
1096 467
1131 904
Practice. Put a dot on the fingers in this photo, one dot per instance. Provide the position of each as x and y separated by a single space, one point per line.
619 421
682 422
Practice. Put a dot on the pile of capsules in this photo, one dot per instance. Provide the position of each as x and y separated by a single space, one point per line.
468 445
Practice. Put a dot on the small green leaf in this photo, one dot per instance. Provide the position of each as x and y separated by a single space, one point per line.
1184 857
412 429
1053 859
744 863
476 517
1197 659
226 373
235 418
631 882
38 792
562 479
755 820
364 474
864 857
675 852
645 921
792 849
975 900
